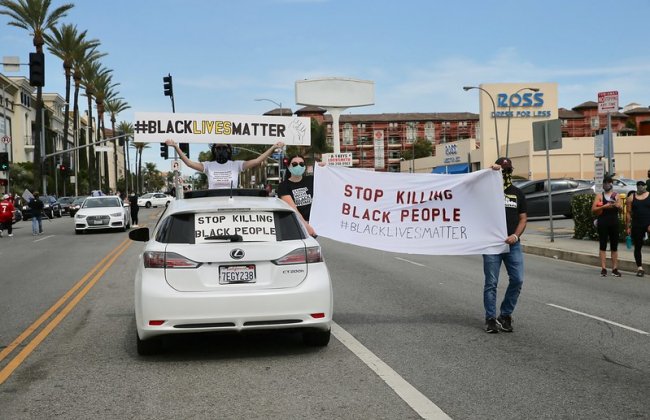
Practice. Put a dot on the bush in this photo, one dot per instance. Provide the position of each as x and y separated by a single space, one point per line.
583 218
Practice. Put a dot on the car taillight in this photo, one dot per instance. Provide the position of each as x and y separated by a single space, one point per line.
301 256
158 259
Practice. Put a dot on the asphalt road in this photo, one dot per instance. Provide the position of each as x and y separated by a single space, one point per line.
422 316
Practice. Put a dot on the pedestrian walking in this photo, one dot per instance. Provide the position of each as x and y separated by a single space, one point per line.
6 215
135 209
221 170
516 218
607 207
36 209
637 221
298 190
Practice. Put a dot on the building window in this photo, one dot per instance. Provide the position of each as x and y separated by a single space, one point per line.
429 131
595 123
347 134
564 123
411 132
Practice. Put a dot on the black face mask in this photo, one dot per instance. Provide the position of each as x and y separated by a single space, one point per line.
221 154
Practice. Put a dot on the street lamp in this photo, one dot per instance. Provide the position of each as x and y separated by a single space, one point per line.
271 100
510 115
494 108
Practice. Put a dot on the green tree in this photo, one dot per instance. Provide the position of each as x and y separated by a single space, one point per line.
36 17
422 149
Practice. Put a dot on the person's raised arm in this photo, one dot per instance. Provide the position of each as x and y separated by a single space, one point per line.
197 166
261 158
287 199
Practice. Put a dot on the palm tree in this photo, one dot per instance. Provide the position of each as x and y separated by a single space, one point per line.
67 44
103 91
36 17
114 106
139 147
126 128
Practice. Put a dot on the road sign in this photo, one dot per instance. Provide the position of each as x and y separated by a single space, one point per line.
607 102
6 139
552 128
176 165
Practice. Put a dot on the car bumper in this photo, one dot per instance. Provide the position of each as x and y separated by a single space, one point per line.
113 223
267 309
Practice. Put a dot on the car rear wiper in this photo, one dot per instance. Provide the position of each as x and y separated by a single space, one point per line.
231 238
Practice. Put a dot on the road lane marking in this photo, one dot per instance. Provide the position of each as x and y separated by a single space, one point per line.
410 262
599 319
43 238
31 346
407 392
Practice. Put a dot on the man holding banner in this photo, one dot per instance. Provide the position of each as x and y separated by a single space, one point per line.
516 218
221 170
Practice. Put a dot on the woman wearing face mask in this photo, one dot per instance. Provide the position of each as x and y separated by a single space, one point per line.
637 221
298 190
221 170
606 206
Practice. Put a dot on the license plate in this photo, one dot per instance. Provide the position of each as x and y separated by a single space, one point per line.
236 274
97 222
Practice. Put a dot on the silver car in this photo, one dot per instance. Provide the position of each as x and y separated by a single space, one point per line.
562 190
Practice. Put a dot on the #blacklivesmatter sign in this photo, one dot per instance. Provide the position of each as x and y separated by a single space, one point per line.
156 127
428 214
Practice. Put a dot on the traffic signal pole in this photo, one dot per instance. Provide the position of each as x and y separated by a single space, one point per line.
168 90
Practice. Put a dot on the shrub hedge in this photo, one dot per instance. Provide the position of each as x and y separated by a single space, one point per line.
583 218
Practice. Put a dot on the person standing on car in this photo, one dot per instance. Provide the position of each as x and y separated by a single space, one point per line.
637 221
221 170
135 209
607 207
516 219
6 215
298 190
36 209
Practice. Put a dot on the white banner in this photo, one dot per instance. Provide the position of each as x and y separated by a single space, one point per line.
426 214
232 129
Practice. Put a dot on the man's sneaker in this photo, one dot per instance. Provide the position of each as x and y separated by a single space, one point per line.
10 235
616 273
505 322
603 273
492 326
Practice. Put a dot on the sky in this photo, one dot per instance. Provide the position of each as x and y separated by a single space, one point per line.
224 54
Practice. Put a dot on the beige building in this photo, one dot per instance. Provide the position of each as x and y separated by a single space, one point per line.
513 107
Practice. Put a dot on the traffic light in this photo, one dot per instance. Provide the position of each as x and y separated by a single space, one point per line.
164 153
37 69
4 161
185 148
167 85
63 169
285 162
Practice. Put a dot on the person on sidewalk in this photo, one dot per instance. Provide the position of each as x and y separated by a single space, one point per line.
637 221
607 207
36 209
6 215
516 219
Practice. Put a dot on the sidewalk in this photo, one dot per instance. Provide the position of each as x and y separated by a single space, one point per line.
564 247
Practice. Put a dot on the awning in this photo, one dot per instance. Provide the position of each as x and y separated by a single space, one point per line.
459 168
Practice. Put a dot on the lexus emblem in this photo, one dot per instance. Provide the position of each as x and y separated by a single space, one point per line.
237 253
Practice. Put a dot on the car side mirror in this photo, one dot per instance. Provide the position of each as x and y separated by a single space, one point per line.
140 235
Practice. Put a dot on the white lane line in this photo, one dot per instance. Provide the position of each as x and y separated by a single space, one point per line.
44 237
599 319
407 392
410 262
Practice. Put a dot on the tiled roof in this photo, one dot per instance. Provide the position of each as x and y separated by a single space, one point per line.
567 114
279 112
409 116
588 104
639 110
311 109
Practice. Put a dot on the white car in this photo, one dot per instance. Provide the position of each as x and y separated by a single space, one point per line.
154 200
105 212
221 263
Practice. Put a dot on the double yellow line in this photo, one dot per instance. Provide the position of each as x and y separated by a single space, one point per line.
85 285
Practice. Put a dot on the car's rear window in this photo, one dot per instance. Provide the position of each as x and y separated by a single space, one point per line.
182 228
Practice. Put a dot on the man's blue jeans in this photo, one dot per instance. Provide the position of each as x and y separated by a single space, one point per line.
37 226
514 262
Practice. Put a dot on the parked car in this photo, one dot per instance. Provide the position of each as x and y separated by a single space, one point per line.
51 208
562 190
154 200
65 203
17 217
624 185
106 212
216 264
76 205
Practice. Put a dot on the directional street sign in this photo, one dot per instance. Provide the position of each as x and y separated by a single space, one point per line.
607 102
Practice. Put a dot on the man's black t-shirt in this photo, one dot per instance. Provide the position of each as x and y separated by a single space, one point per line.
301 192
515 205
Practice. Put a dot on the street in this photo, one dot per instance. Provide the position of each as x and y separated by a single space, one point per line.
579 349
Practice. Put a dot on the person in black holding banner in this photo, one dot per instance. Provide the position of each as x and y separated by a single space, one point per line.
221 170
516 219
298 190
637 220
